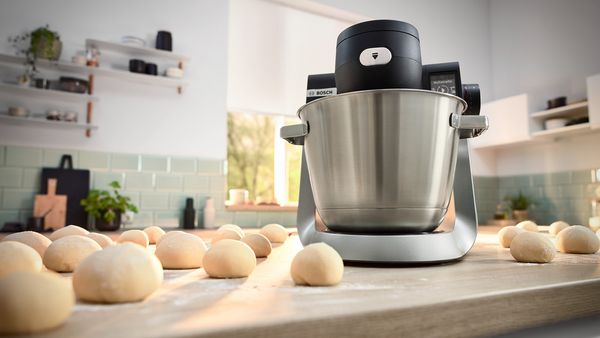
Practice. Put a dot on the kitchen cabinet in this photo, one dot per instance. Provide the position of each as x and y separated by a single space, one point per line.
593 94
509 123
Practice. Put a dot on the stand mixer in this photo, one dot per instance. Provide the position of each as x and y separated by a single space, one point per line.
385 174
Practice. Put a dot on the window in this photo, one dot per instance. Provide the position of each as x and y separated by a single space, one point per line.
259 161
272 50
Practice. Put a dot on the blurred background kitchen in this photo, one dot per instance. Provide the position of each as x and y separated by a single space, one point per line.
180 100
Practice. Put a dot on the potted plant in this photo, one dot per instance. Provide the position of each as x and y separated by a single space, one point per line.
107 206
39 43
519 205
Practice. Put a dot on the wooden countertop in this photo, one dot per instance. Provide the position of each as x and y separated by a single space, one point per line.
485 293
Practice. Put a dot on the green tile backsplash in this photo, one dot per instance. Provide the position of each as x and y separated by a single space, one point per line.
93 160
158 185
10 177
155 163
124 162
183 165
555 196
23 157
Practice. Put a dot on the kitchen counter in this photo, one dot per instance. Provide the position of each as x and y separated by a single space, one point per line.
485 293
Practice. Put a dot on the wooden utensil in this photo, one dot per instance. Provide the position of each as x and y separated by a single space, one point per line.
52 207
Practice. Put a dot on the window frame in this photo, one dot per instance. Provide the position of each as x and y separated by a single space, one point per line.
280 170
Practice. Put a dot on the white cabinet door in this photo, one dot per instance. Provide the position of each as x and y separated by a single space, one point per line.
593 94
509 122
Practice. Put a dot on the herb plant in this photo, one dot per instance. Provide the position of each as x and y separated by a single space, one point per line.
104 204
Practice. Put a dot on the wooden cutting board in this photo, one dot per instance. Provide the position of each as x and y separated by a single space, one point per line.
52 207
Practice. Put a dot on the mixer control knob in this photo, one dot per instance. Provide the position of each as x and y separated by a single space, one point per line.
375 56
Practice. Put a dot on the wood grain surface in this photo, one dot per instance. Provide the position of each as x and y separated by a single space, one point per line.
485 293
51 206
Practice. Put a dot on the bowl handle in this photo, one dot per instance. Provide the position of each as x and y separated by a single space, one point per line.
478 124
295 133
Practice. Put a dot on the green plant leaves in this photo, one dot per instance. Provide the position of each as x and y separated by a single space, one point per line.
104 204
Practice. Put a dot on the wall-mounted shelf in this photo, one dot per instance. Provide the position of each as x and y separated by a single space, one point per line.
42 122
52 95
158 80
46 94
571 110
581 128
91 73
18 61
151 80
135 51
512 124
140 52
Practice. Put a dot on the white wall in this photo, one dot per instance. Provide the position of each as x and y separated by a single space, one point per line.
576 153
272 50
545 48
134 117
449 31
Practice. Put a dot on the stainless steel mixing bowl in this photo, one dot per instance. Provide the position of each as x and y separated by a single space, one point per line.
382 161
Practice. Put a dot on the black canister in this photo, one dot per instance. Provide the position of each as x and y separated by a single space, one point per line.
378 54
137 66
164 41
189 214
151 69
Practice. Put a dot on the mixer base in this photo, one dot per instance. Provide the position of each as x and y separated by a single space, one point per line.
451 240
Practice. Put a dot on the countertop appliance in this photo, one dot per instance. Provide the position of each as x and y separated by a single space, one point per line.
385 153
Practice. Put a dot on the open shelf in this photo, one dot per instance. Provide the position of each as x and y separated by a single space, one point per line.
18 61
581 128
158 80
571 110
134 51
151 80
46 94
42 122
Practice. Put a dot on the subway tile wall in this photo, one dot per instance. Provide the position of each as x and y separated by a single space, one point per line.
486 197
555 196
158 185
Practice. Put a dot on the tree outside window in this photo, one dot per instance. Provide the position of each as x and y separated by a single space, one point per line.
259 161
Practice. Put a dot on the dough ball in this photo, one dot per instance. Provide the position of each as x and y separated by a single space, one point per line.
181 251
317 265
233 227
229 258
557 227
134 236
35 240
169 234
506 235
101 239
34 302
69 230
222 234
15 256
120 273
64 254
531 247
275 233
154 233
577 239
528 226
259 244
